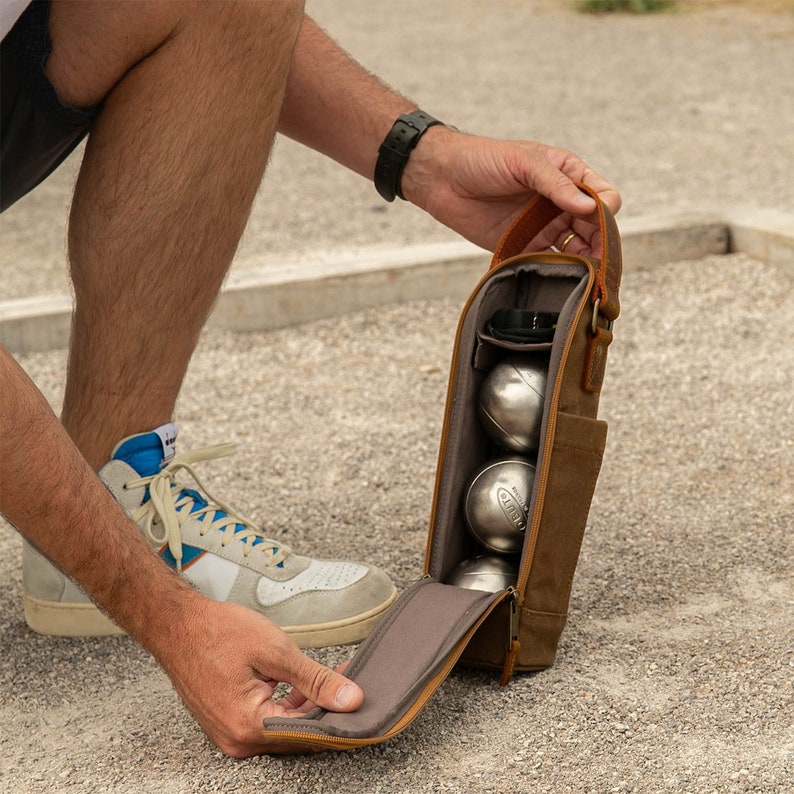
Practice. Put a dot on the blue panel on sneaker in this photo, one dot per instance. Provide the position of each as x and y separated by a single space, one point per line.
148 452
189 555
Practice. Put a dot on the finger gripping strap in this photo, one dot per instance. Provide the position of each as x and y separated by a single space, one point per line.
538 214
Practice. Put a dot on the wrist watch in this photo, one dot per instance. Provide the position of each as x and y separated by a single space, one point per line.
396 149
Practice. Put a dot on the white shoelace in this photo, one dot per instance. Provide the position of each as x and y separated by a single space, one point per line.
170 504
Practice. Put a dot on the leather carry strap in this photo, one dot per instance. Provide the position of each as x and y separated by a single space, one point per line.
538 214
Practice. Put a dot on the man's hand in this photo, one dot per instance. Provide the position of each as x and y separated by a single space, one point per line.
472 184
226 667
478 185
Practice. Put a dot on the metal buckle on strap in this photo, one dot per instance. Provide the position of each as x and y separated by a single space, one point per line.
594 324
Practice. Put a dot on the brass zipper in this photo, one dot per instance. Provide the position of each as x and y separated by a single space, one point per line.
442 447
529 552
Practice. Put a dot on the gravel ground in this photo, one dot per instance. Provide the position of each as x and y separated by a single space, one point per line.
675 672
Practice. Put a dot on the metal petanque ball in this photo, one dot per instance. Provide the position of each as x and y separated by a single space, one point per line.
496 503
487 572
511 402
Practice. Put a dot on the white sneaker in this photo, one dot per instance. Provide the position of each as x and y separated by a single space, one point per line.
222 554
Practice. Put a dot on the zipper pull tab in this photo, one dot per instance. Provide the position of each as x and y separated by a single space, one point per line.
513 644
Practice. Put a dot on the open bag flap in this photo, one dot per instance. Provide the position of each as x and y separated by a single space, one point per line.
399 666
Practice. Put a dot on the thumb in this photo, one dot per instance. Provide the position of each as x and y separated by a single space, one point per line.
324 687
562 191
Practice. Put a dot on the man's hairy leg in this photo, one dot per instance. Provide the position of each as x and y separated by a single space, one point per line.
192 96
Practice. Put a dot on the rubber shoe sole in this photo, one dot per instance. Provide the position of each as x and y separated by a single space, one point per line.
58 619
339 632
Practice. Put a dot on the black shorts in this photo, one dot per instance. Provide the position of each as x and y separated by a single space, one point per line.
38 131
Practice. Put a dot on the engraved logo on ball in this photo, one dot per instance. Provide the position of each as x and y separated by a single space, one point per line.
512 507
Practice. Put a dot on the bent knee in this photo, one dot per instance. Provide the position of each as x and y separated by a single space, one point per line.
94 45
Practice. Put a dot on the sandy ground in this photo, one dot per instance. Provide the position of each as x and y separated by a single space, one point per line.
675 672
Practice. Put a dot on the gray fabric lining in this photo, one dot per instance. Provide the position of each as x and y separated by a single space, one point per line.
557 287
397 660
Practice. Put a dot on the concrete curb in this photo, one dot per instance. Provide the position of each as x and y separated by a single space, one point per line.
262 298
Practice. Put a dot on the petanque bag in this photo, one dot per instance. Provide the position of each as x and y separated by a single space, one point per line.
549 307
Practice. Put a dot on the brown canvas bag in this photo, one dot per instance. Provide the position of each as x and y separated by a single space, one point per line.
434 625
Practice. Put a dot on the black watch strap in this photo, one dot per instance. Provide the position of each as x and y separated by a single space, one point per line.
396 149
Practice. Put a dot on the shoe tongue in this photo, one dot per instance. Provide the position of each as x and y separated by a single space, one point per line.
147 453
